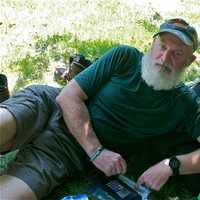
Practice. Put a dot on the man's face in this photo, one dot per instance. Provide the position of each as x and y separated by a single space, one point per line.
170 50
163 66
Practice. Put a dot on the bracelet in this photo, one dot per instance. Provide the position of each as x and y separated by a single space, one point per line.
96 153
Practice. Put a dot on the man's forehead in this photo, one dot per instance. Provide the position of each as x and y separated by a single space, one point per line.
164 37
178 46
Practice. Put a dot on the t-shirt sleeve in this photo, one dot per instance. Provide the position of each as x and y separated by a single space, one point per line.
110 64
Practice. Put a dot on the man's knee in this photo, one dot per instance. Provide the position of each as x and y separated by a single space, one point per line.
13 188
7 129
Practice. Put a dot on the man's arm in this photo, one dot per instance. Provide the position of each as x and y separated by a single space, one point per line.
156 176
190 163
72 101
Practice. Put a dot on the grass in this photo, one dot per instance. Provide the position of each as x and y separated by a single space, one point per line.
55 51
38 35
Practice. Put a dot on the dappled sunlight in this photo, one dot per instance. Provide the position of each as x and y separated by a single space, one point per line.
26 24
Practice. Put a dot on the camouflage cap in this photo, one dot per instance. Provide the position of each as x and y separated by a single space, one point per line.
182 30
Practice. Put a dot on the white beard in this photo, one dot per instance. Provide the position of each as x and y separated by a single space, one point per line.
164 78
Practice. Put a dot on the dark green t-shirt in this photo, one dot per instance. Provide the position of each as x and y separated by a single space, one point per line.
125 109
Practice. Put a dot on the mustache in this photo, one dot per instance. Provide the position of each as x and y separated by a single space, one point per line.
163 65
159 74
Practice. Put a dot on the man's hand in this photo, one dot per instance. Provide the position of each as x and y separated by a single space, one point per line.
156 176
110 163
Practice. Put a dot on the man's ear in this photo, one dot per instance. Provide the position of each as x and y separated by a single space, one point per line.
193 58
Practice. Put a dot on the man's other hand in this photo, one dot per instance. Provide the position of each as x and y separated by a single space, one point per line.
110 163
156 176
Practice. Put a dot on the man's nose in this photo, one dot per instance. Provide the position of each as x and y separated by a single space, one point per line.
166 56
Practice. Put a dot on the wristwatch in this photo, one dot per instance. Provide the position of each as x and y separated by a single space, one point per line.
174 164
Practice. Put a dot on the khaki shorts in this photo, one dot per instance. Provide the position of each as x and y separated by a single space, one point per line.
47 151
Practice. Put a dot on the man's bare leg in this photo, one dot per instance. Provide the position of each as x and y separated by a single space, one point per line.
7 130
12 188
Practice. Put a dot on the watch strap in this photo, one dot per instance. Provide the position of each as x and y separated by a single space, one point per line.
174 164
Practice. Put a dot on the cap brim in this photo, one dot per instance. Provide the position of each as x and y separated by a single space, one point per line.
186 40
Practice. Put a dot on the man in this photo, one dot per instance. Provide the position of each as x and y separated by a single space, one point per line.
123 104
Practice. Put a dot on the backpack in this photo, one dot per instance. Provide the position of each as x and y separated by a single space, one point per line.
75 61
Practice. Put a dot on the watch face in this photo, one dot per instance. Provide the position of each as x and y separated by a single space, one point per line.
174 163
